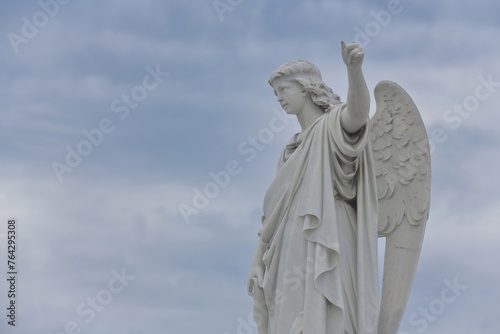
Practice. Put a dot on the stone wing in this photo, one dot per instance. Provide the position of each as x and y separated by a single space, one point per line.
402 166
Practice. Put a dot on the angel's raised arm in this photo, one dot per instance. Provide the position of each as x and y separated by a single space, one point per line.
355 116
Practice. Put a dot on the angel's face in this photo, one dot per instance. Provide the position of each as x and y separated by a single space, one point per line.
291 96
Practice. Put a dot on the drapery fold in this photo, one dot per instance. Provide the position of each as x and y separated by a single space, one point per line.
321 259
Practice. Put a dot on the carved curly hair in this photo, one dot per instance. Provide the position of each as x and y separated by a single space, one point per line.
308 76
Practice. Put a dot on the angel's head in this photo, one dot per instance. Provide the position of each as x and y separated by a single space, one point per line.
304 76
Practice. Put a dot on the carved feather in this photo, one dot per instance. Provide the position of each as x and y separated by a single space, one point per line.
402 159
402 166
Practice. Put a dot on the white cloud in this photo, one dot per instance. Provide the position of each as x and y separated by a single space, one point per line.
106 216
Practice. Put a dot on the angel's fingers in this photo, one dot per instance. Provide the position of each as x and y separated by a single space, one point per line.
342 45
355 54
351 57
352 46
352 53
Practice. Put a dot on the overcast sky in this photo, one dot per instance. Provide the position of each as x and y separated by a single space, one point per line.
117 114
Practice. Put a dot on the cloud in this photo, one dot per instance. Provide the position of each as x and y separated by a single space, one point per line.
120 207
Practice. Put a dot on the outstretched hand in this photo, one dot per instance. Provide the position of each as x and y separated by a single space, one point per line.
355 116
352 54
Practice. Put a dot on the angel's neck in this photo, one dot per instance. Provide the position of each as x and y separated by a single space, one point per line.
309 115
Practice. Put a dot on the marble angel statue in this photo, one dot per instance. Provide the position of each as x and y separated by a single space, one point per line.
341 183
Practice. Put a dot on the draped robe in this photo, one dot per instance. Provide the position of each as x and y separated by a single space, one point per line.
320 235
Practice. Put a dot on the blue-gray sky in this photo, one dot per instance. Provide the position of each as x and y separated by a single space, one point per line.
71 67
